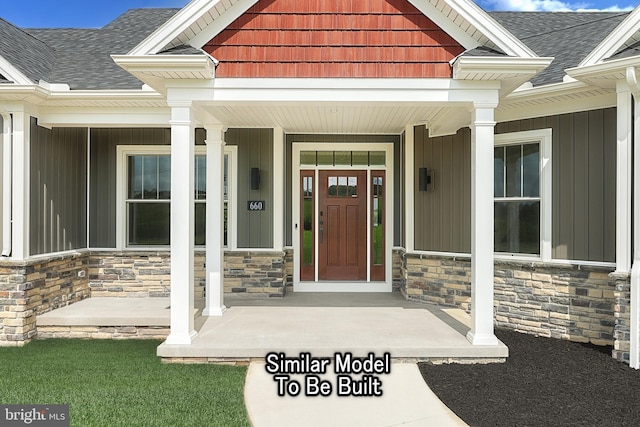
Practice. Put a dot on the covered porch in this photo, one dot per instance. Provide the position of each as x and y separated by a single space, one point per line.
319 323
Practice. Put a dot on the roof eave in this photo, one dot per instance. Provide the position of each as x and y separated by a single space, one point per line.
604 74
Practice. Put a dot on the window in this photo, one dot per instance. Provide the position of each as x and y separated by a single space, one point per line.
522 193
146 177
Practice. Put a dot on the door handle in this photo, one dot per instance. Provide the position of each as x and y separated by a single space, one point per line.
321 235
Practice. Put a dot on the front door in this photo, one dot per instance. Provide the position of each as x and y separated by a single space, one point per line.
342 225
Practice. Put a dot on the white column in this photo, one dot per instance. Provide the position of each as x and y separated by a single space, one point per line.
409 187
20 193
215 221
634 330
623 179
482 144
182 224
278 188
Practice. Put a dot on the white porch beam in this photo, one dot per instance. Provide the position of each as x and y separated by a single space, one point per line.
623 178
182 224
215 222
482 225
21 147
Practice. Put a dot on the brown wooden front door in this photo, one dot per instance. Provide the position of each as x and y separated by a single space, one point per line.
342 225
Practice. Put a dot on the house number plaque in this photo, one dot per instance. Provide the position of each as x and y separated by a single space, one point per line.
255 205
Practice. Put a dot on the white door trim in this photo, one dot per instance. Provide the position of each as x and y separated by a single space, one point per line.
338 286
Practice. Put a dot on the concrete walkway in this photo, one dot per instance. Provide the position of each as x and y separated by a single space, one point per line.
406 401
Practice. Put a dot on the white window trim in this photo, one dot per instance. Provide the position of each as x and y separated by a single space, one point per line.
123 151
544 138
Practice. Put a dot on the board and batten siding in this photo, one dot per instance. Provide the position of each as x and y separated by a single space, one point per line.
103 180
58 199
255 150
584 182
397 171
583 186
443 212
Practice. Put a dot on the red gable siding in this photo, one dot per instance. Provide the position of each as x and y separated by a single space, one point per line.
333 38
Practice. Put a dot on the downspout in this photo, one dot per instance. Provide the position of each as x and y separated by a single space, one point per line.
7 184
634 357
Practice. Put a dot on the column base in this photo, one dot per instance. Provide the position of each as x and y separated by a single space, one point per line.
180 339
482 339
214 311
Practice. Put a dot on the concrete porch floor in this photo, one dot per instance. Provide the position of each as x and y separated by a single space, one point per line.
325 323
319 323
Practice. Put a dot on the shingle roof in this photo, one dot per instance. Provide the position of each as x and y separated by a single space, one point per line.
81 57
632 50
567 36
182 50
14 42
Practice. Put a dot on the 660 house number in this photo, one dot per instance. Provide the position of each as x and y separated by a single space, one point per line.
255 205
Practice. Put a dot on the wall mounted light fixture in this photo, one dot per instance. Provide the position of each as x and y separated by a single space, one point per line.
424 179
255 178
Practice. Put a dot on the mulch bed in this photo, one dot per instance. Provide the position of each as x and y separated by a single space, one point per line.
544 382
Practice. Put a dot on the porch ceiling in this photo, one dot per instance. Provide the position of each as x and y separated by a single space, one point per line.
332 118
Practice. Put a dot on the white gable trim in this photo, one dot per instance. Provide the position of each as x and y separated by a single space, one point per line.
12 73
202 20
617 39
197 13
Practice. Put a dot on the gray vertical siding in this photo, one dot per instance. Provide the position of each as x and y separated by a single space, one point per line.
584 187
58 189
443 212
354 139
102 203
255 150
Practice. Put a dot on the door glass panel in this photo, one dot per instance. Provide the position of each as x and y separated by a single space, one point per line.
343 158
353 186
342 186
325 158
333 186
308 158
307 223
360 158
377 158
377 213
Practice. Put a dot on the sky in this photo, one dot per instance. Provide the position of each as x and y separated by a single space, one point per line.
95 14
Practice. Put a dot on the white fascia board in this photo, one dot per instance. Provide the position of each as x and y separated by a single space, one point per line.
486 25
164 65
465 66
609 70
12 73
614 40
354 91
171 29
104 117
221 23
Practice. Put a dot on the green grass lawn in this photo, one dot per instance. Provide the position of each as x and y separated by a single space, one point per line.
121 383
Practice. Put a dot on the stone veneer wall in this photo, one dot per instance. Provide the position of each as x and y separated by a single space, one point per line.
577 303
255 273
399 272
35 287
622 315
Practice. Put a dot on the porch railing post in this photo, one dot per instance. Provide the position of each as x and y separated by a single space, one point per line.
182 224
482 277
215 222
